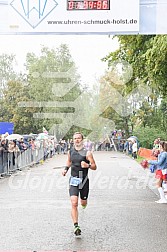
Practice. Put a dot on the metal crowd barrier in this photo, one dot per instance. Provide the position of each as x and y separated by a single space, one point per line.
12 161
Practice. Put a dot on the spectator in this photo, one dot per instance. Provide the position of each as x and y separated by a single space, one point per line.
156 148
13 153
130 148
88 144
4 144
121 146
161 170
134 149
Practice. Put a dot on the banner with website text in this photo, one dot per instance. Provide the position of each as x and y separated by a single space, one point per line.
69 16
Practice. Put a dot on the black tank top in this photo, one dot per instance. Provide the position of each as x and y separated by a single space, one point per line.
77 156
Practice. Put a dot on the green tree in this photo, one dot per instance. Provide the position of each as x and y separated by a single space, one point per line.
51 76
163 114
147 55
14 93
6 70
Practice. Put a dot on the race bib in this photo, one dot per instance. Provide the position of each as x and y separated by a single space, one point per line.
164 171
75 181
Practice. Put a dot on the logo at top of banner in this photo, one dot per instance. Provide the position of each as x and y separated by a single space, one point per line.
34 12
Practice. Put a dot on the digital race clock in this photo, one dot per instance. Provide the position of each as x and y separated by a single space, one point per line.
88 5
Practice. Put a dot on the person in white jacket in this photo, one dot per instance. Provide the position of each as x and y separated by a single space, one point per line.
134 149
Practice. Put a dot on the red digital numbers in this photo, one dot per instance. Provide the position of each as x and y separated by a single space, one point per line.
105 5
99 5
88 5
70 5
91 4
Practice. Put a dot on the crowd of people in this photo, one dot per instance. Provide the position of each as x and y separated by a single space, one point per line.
32 150
28 150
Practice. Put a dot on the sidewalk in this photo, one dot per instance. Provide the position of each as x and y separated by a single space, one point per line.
140 172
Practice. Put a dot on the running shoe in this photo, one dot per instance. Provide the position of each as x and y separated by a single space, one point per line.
161 201
84 206
77 231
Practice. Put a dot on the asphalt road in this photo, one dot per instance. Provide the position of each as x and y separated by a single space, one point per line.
121 215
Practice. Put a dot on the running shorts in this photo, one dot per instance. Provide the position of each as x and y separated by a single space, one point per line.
159 175
82 189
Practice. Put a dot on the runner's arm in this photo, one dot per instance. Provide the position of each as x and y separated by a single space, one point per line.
90 158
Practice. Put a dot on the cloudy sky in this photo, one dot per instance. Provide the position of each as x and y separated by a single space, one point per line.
86 50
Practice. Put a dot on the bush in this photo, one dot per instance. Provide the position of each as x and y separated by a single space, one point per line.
147 135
